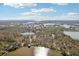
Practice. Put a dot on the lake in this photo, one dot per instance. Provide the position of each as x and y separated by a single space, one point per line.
72 34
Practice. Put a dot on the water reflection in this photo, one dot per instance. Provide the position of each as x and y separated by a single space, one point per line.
41 51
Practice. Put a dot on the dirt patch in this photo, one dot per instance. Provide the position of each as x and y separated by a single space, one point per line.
24 51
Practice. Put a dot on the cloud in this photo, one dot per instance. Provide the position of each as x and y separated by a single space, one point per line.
58 17
35 12
61 4
20 5
29 14
68 16
40 17
72 13
37 18
38 12
43 10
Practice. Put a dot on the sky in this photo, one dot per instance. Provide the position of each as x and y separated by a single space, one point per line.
39 11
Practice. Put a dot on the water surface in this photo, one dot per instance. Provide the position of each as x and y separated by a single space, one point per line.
72 34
